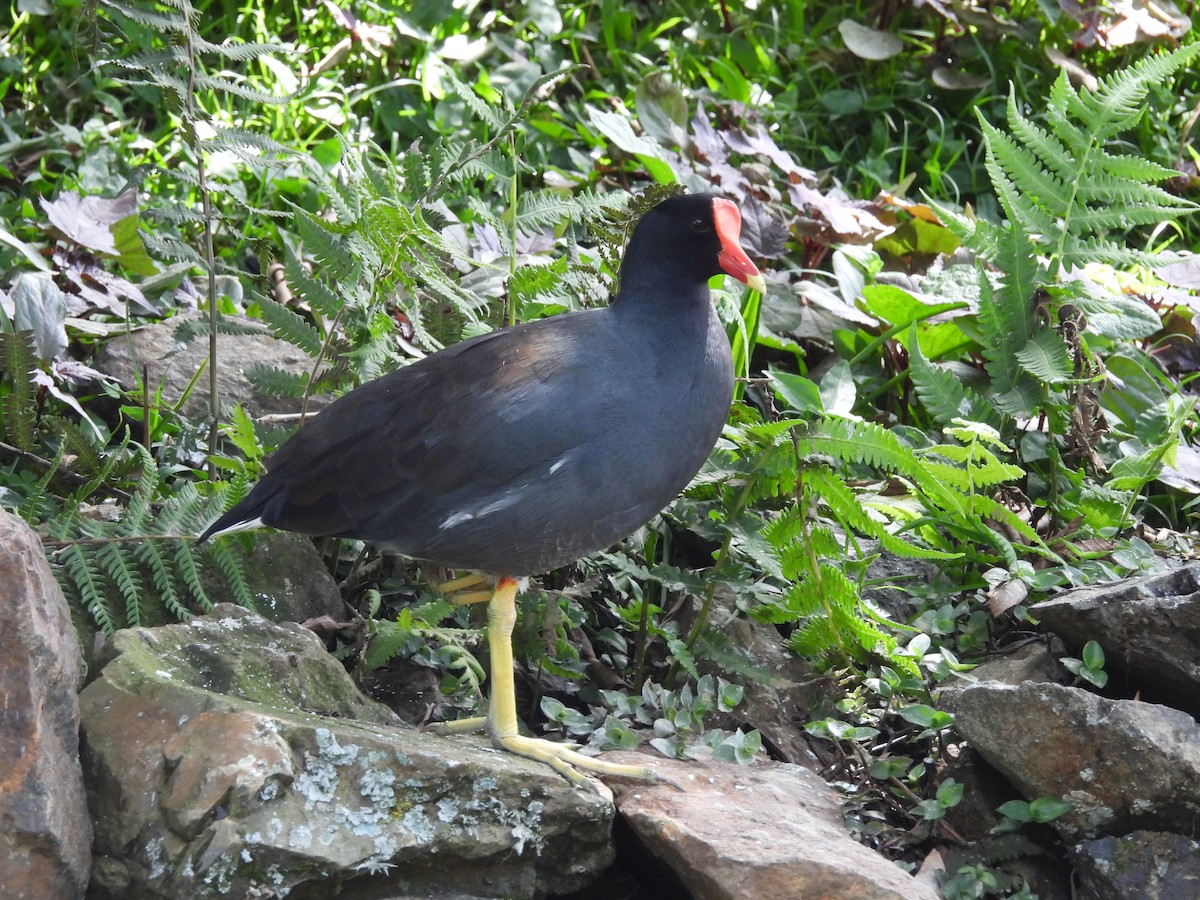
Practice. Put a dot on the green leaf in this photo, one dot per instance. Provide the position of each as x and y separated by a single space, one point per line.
891 767
1093 655
943 394
662 108
617 129
949 793
797 392
1017 810
131 252
1118 316
1046 809
838 391
837 730
925 716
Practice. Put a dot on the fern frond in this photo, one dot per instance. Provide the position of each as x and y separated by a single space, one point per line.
276 382
1025 177
944 396
137 510
189 573
547 209
1045 356
323 243
852 442
839 629
1120 96
240 137
87 583
116 565
476 104
683 656
231 567
19 407
238 89
850 510
162 574
163 23
288 325
238 52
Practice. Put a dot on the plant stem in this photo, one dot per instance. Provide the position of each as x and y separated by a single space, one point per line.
718 566
639 658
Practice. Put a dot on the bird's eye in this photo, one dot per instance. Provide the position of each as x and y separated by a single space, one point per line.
699 226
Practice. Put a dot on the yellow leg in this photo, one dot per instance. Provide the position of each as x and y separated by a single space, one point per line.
501 721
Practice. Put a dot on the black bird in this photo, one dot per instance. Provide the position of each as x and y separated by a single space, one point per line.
519 451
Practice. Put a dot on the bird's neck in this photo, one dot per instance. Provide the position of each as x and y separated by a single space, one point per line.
657 288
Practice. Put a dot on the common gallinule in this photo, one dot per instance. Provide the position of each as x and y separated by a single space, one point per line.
521 450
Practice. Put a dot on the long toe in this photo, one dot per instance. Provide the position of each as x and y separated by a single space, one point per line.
575 766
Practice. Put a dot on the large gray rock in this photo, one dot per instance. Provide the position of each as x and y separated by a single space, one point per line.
230 757
174 368
1124 765
45 832
1149 628
1144 865
749 832
286 577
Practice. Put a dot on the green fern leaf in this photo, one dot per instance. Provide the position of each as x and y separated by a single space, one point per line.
126 578
163 577
682 655
163 23
323 242
18 409
221 85
189 572
1027 177
288 325
1045 357
476 104
276 382
230 565
239 52
88 584
944 396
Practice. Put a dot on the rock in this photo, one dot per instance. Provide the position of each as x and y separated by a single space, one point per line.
890 577
1034 662
122 358
767 830
1149 628
45 832
231 757
1122 764
984 791
286 577
1144 865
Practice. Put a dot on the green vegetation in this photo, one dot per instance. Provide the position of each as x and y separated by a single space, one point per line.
977 351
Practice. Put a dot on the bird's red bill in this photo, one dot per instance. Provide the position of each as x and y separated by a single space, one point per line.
733 259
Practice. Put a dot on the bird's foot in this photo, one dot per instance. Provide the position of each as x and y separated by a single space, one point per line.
562 758
501 722
574 766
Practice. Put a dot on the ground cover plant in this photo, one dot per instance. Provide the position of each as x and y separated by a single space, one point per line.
977 348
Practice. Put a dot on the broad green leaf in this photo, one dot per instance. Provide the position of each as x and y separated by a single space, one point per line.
1046 809
837 389
797 392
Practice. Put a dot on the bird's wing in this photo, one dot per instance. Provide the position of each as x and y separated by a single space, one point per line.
475 416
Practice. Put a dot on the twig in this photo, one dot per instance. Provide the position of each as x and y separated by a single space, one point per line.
72 477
